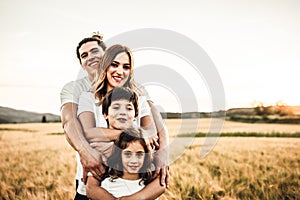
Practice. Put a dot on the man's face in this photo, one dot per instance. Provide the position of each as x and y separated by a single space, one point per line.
90 56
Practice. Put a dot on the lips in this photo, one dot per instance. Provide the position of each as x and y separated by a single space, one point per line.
122 120
118 79
133 168
94 64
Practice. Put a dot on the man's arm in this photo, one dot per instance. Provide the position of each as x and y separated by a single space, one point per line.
89 157
162 154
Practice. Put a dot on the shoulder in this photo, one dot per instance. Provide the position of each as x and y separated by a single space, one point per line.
83 83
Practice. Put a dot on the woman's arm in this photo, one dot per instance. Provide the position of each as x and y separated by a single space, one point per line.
95 192
96 134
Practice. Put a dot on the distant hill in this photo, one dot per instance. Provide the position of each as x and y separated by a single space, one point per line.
9 115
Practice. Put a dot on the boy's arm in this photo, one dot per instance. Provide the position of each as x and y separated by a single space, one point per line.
162 154
90 158
95 192
151 191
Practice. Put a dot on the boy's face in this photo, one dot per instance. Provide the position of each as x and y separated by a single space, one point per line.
121 114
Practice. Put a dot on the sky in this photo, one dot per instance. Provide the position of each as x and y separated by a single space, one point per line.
254 46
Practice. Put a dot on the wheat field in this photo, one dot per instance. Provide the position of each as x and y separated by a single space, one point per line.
36 162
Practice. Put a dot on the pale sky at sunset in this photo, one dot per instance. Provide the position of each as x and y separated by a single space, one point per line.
254 45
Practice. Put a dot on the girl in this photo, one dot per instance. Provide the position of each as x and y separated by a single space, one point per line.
129 165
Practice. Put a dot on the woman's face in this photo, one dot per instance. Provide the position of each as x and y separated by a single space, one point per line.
119 71
132 158
121 114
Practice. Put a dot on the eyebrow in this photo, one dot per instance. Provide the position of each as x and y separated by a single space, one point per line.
128 104
89 51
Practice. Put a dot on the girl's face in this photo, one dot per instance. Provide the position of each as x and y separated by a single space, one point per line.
132 159
118 72
121 114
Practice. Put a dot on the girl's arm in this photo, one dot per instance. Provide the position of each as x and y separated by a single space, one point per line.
151 191
95 192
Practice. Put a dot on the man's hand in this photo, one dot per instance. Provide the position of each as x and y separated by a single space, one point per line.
91 162
162 167
163 172
152 142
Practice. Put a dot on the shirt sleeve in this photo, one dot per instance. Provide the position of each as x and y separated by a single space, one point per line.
67 94
144 91
144 108
86 103
71 92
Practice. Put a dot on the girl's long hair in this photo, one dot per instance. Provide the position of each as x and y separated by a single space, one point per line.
115 160
100 82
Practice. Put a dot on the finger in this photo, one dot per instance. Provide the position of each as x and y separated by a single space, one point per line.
156 174
167 176
96 175
93 145
84 177
156 144
163 177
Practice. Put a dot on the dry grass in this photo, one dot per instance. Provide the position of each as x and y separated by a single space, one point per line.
181 126
238 168
37 165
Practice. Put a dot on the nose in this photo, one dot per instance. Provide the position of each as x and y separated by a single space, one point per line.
134 159
120 69
122 110
90 57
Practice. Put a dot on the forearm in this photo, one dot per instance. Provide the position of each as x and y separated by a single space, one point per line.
98 193
162 130
72 128
151 191
98 134
95 192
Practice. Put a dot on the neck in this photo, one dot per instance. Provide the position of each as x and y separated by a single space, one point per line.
130 176
91 77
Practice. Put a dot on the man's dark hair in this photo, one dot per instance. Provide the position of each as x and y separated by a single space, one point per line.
86 40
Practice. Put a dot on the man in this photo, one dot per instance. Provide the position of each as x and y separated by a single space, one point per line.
89 52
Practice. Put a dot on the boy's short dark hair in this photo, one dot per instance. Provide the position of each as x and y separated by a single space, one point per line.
120 93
